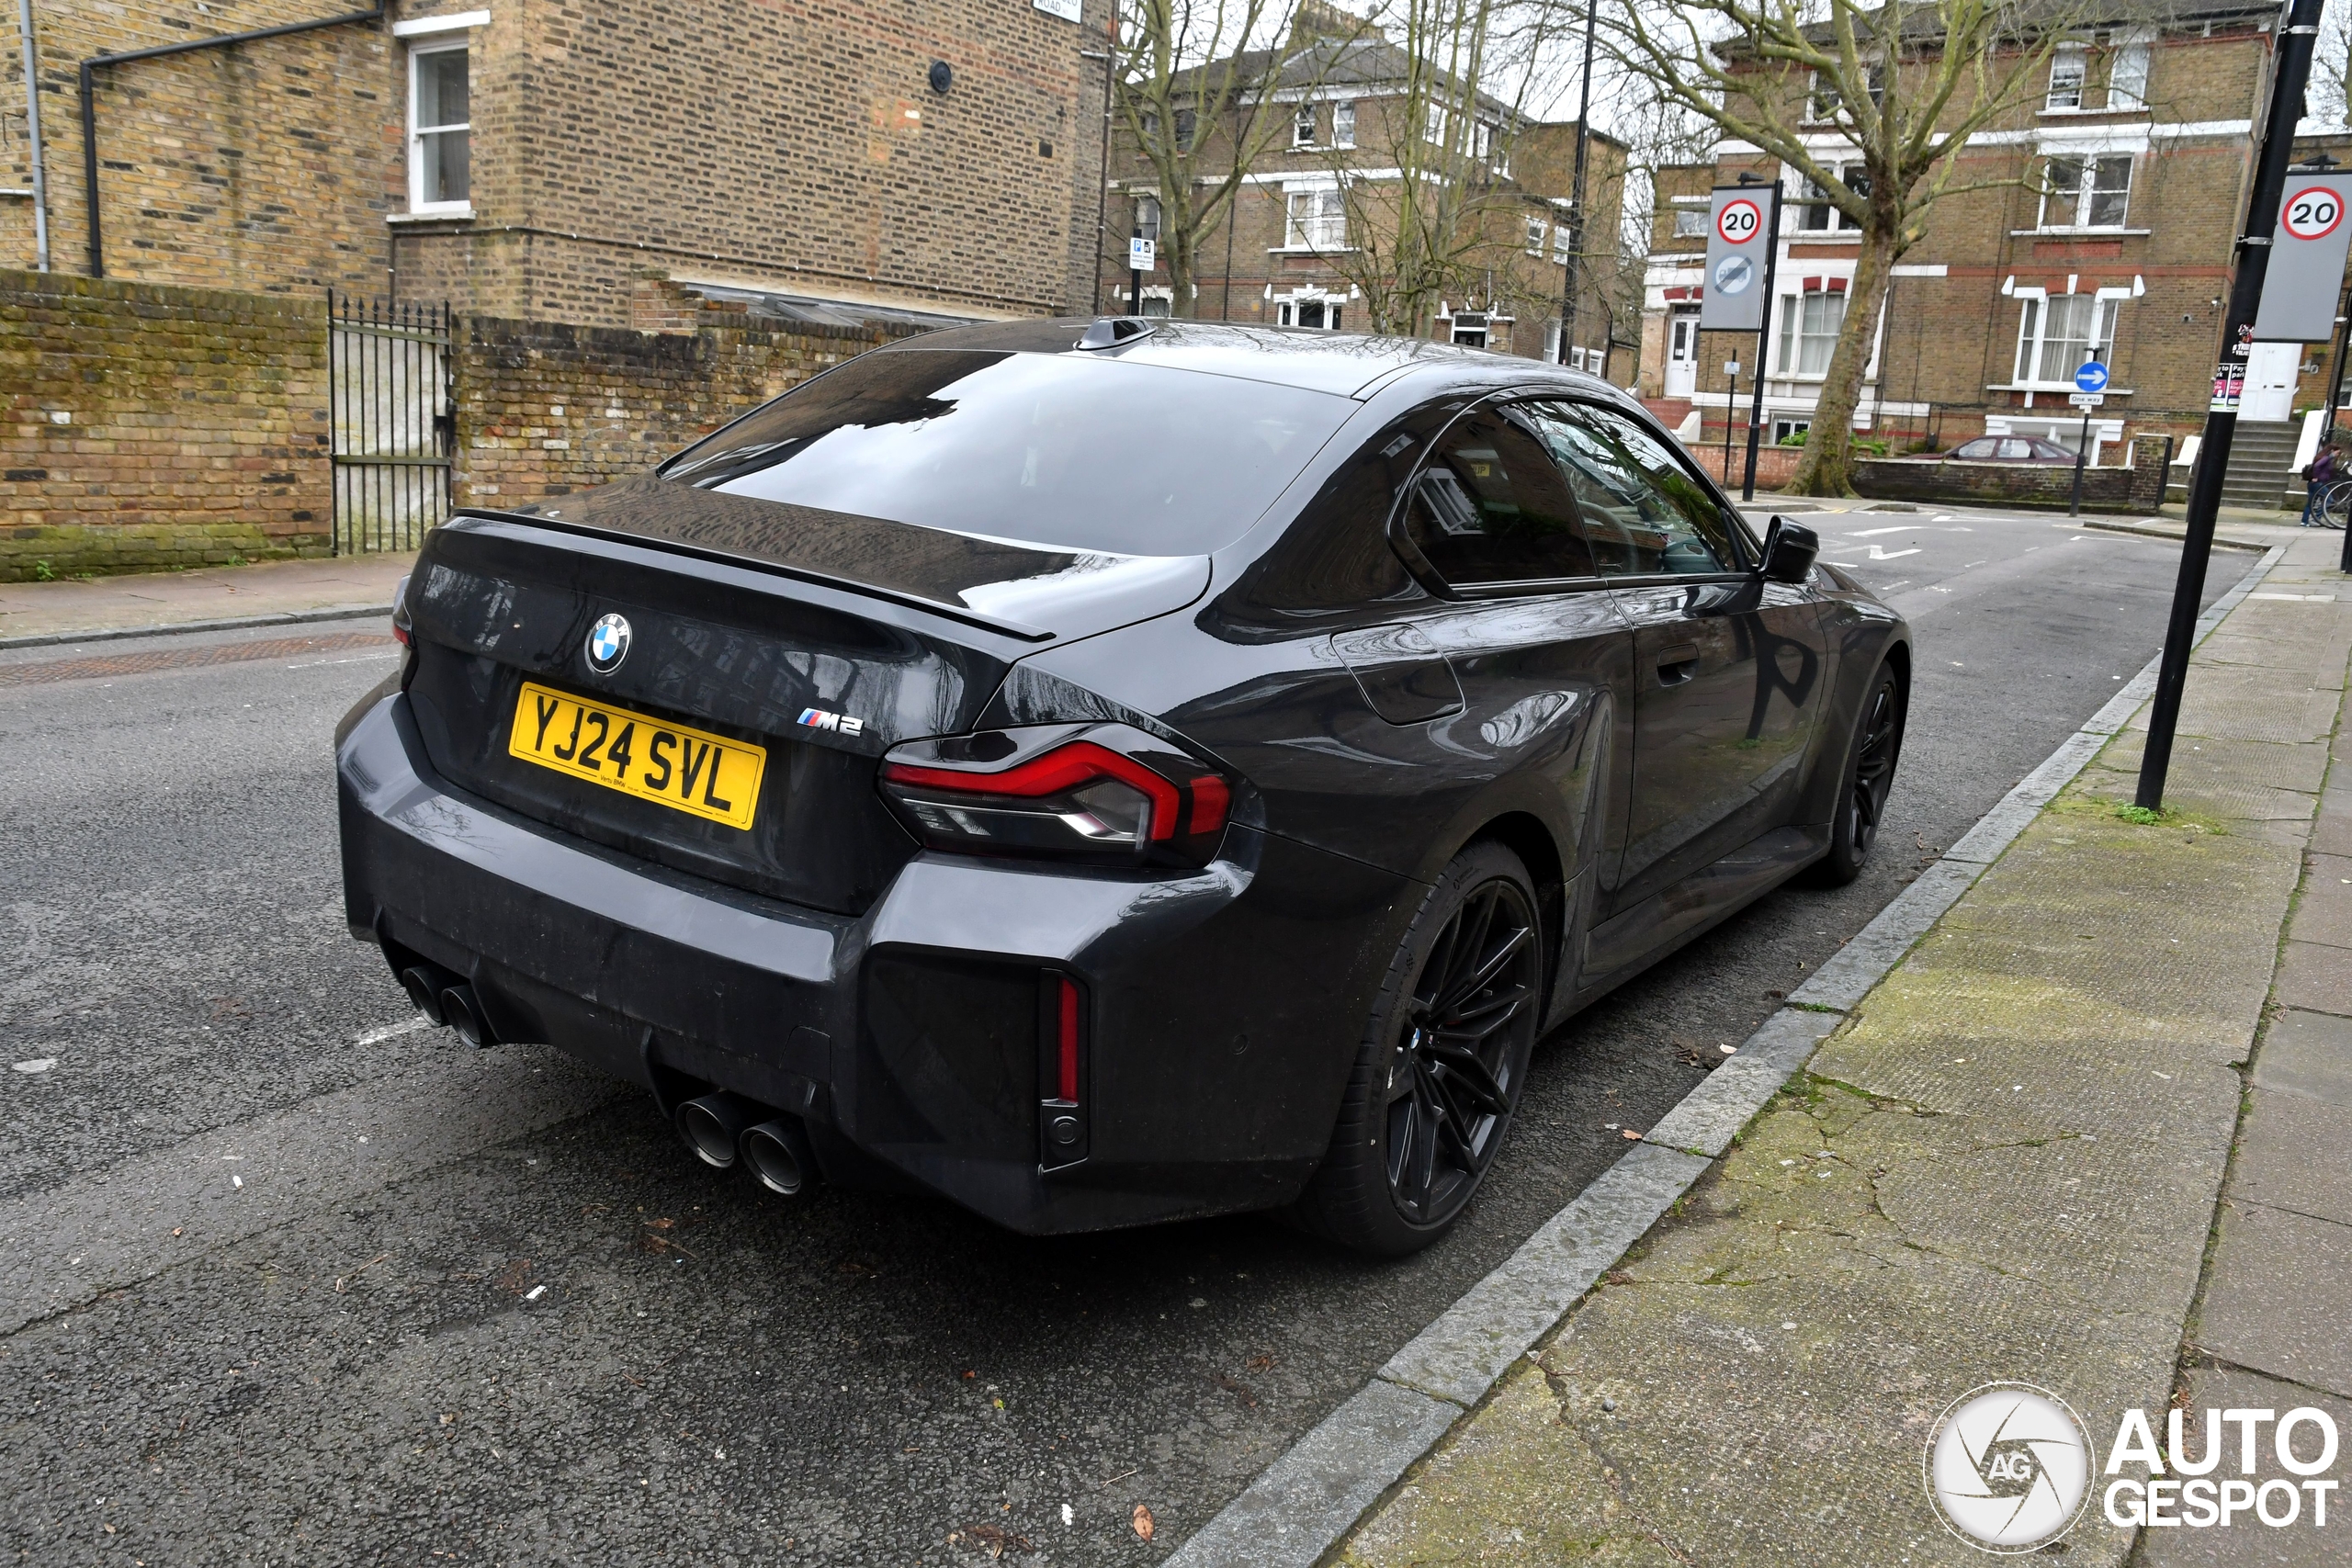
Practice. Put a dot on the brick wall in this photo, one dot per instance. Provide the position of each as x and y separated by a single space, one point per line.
2038 485
267 166
148 426
545 409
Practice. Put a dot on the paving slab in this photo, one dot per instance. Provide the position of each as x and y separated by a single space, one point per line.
2312 975
2295 1152
2323 914
2276 1302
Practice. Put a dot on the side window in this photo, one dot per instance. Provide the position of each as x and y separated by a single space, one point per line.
1337 554
2014 448
1642 511
1491 507
1978 449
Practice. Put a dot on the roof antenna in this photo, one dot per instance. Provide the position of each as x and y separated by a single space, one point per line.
1110 332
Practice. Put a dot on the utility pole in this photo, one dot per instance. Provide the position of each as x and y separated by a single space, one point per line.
1575 192
1102 198
2290 75
1731 406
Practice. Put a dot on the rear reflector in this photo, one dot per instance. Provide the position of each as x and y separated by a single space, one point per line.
1065 1054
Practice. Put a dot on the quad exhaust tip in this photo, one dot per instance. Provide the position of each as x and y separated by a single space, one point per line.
461 1010
423 986
777 1153
714 1126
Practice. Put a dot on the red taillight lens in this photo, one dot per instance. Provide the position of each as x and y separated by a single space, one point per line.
401 623
1062 1111
1080 800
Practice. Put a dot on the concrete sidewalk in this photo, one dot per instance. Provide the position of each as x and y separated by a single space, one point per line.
165 601
2003 1164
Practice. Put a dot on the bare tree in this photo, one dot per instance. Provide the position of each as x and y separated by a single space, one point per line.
1197 102
1905 84
1439 218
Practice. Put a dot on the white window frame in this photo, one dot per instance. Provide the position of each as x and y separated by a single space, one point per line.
2127 68
1287 308
1149 226
1536 231
2070 71
456 40
1455 329
2074 210
1343 123
1314 230
1560 254
1805 201
2033 336
1789 337
1697 227
1302 126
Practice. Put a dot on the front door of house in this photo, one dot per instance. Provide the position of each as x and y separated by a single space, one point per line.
1682 353
2270 382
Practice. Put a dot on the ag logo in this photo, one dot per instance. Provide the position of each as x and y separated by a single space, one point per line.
608 644
2008 1467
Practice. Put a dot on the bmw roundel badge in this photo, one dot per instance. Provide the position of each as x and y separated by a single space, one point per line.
607 644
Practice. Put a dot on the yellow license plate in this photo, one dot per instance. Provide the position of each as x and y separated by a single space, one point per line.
686 769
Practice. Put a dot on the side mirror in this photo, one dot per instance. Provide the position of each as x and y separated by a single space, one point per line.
1789 550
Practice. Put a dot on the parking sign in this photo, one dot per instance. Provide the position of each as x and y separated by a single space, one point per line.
2299 286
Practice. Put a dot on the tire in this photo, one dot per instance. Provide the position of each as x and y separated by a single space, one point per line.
1442 1064
1871 757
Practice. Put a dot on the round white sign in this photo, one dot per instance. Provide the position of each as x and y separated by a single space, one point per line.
2310 213
2008 1466
1738 221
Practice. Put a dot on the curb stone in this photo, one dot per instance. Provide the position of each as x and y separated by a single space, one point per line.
1307 1501
221 624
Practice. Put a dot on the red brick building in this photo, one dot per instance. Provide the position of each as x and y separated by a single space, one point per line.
531 160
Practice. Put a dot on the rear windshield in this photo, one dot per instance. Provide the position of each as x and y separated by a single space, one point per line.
1049 449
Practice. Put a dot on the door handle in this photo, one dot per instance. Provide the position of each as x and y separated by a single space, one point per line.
1678 664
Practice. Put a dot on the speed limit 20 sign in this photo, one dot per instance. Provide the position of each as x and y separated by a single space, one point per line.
2306 270
1738 220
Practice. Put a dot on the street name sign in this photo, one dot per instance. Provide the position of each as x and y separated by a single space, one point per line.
2306 271
1738 236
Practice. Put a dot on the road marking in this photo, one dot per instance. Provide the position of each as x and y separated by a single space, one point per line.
1878 552
405 1026
1874 533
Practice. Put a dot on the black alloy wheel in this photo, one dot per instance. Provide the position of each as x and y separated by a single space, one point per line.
1870 775
1441 1065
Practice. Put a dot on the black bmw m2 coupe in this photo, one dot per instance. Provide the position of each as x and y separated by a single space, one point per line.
1110 772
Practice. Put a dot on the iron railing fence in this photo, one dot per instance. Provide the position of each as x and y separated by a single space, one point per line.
392 418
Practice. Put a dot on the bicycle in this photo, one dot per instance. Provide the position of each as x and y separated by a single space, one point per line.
2334 506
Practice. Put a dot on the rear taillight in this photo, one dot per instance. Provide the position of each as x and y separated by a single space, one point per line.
1108 795
401 623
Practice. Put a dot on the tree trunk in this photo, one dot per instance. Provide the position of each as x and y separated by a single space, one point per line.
1828 465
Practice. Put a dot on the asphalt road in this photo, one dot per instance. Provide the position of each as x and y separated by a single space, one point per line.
281 1279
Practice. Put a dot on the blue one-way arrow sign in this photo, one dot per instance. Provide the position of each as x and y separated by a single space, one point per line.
2091 377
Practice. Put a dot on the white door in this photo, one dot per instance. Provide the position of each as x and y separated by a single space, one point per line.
2270 381
1682 353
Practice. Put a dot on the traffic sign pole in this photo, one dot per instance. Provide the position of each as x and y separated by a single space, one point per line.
2091 377
1763 328
2290 74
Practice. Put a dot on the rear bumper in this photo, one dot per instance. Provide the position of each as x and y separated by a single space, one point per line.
1223 1007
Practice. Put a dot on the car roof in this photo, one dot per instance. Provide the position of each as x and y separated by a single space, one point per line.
1353 365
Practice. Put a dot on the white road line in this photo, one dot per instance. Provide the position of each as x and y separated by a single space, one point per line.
1878 552
405 1026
